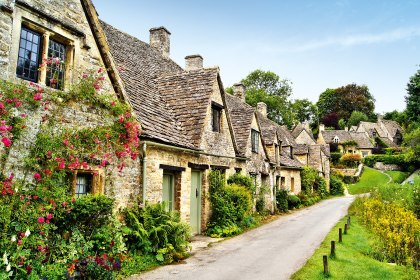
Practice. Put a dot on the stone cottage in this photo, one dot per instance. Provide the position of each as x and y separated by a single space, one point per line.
309 153
346 141
34 31
388 131
279 145
247 133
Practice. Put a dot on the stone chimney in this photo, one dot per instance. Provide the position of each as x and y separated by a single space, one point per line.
346 128
321 127
262 108
193 62
159 40
239 91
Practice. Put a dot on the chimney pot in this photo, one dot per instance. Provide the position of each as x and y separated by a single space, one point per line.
321 127
193 62
159 40
239 91
262 108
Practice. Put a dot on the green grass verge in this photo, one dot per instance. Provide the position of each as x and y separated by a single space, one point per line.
398 176
352 260
369 180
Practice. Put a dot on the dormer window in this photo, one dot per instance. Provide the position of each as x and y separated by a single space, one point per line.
216 116
374 133
336 139
255 137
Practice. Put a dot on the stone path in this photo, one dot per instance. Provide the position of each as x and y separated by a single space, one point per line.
273 251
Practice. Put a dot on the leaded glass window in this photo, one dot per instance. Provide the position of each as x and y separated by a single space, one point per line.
56 65
29 55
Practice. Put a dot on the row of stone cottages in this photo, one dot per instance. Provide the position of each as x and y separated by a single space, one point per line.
190 125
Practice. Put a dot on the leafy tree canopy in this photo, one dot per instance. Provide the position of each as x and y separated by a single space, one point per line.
356 117
343 101
305 110
412 99
266 86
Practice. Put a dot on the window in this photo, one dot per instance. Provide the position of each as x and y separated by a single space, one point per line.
255 137
292 184
283 182
36 47
56 68
83 184
336 139
216 113
29 55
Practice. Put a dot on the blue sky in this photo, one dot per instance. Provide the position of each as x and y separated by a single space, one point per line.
314 44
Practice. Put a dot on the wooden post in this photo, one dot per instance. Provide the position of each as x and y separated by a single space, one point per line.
325 260
332 248
348 220
340 235
348 225
345 228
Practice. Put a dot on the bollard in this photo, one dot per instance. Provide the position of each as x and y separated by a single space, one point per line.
340 235
348 220
345 228
332 249
325 260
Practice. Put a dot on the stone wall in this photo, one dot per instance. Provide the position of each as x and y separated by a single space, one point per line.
387 167
219 143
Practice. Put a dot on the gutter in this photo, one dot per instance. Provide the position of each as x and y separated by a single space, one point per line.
144 179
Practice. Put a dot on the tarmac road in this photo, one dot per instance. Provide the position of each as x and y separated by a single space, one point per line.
273 251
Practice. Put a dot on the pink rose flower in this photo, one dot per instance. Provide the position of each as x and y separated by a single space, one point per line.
41 220
6 141
37 177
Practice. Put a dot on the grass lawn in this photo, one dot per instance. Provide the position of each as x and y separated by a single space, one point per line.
370 179
352 260
398 176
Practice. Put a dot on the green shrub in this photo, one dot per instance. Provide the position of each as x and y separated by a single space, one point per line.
260 204
335 157
281 200
308 178
320 187
336 185
293 201
245 181
231 205
351 160
153 229
399 159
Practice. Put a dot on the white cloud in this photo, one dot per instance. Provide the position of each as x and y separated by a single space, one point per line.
350 40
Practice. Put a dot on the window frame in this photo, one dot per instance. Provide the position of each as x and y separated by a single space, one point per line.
96 182
46 37
38 52
216 117
255 140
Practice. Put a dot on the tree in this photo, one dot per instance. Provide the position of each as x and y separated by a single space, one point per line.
412 99
305 110
356 117
267 87
412 142
344 100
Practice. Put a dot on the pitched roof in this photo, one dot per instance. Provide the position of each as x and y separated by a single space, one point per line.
343 136
388 142
297 130
300 149
188 95
141 65
370 127
392 127
289 162
268 129
362 140
241 115
286 137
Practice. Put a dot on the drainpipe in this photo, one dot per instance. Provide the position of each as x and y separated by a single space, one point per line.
144 173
